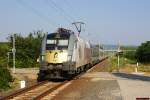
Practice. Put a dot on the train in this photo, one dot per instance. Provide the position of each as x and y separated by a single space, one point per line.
63 55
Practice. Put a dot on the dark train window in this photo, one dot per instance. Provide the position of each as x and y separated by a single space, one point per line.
59 44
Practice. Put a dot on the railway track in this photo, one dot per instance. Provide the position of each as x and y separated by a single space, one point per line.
41 90
38 91
33 92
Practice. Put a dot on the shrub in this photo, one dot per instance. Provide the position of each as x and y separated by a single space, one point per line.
143 53
5 78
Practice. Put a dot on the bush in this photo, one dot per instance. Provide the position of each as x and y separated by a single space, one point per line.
5 78
129 55
143 53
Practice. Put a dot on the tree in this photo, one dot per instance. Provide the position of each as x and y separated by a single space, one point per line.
28 49
143 52
5 76
4 48
129 54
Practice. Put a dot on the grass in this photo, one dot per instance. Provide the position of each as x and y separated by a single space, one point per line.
127 65
114 63
144 68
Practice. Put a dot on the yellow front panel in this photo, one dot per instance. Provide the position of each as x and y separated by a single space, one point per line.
56 56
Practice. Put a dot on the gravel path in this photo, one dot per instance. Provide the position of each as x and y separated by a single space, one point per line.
133 86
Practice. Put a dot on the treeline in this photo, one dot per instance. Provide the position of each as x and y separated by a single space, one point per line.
143 52
27 52
140 54
27 49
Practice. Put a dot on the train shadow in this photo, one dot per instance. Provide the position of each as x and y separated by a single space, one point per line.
132 76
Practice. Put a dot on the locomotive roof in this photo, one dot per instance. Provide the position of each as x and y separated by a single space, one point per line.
61 32
55 35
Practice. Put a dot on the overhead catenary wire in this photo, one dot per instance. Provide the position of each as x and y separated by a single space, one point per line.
36 12
75 10
68 17
54 7
70 7
68 4
51 3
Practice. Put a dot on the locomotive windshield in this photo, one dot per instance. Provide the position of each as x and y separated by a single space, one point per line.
57 42
51 41
62 42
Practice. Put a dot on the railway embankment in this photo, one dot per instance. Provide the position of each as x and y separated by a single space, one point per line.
29 75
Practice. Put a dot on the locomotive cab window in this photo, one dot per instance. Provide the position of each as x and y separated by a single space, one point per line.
57 41
60 44
63 44
51 41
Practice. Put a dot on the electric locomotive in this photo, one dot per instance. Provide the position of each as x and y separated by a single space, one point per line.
63 54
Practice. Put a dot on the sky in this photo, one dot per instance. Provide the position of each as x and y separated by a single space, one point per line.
106 21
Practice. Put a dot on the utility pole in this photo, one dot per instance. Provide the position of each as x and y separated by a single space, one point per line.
99 50
8 57
14 53
78 26
118 56
118 63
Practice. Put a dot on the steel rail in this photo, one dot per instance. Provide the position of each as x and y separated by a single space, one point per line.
50 90
21 91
